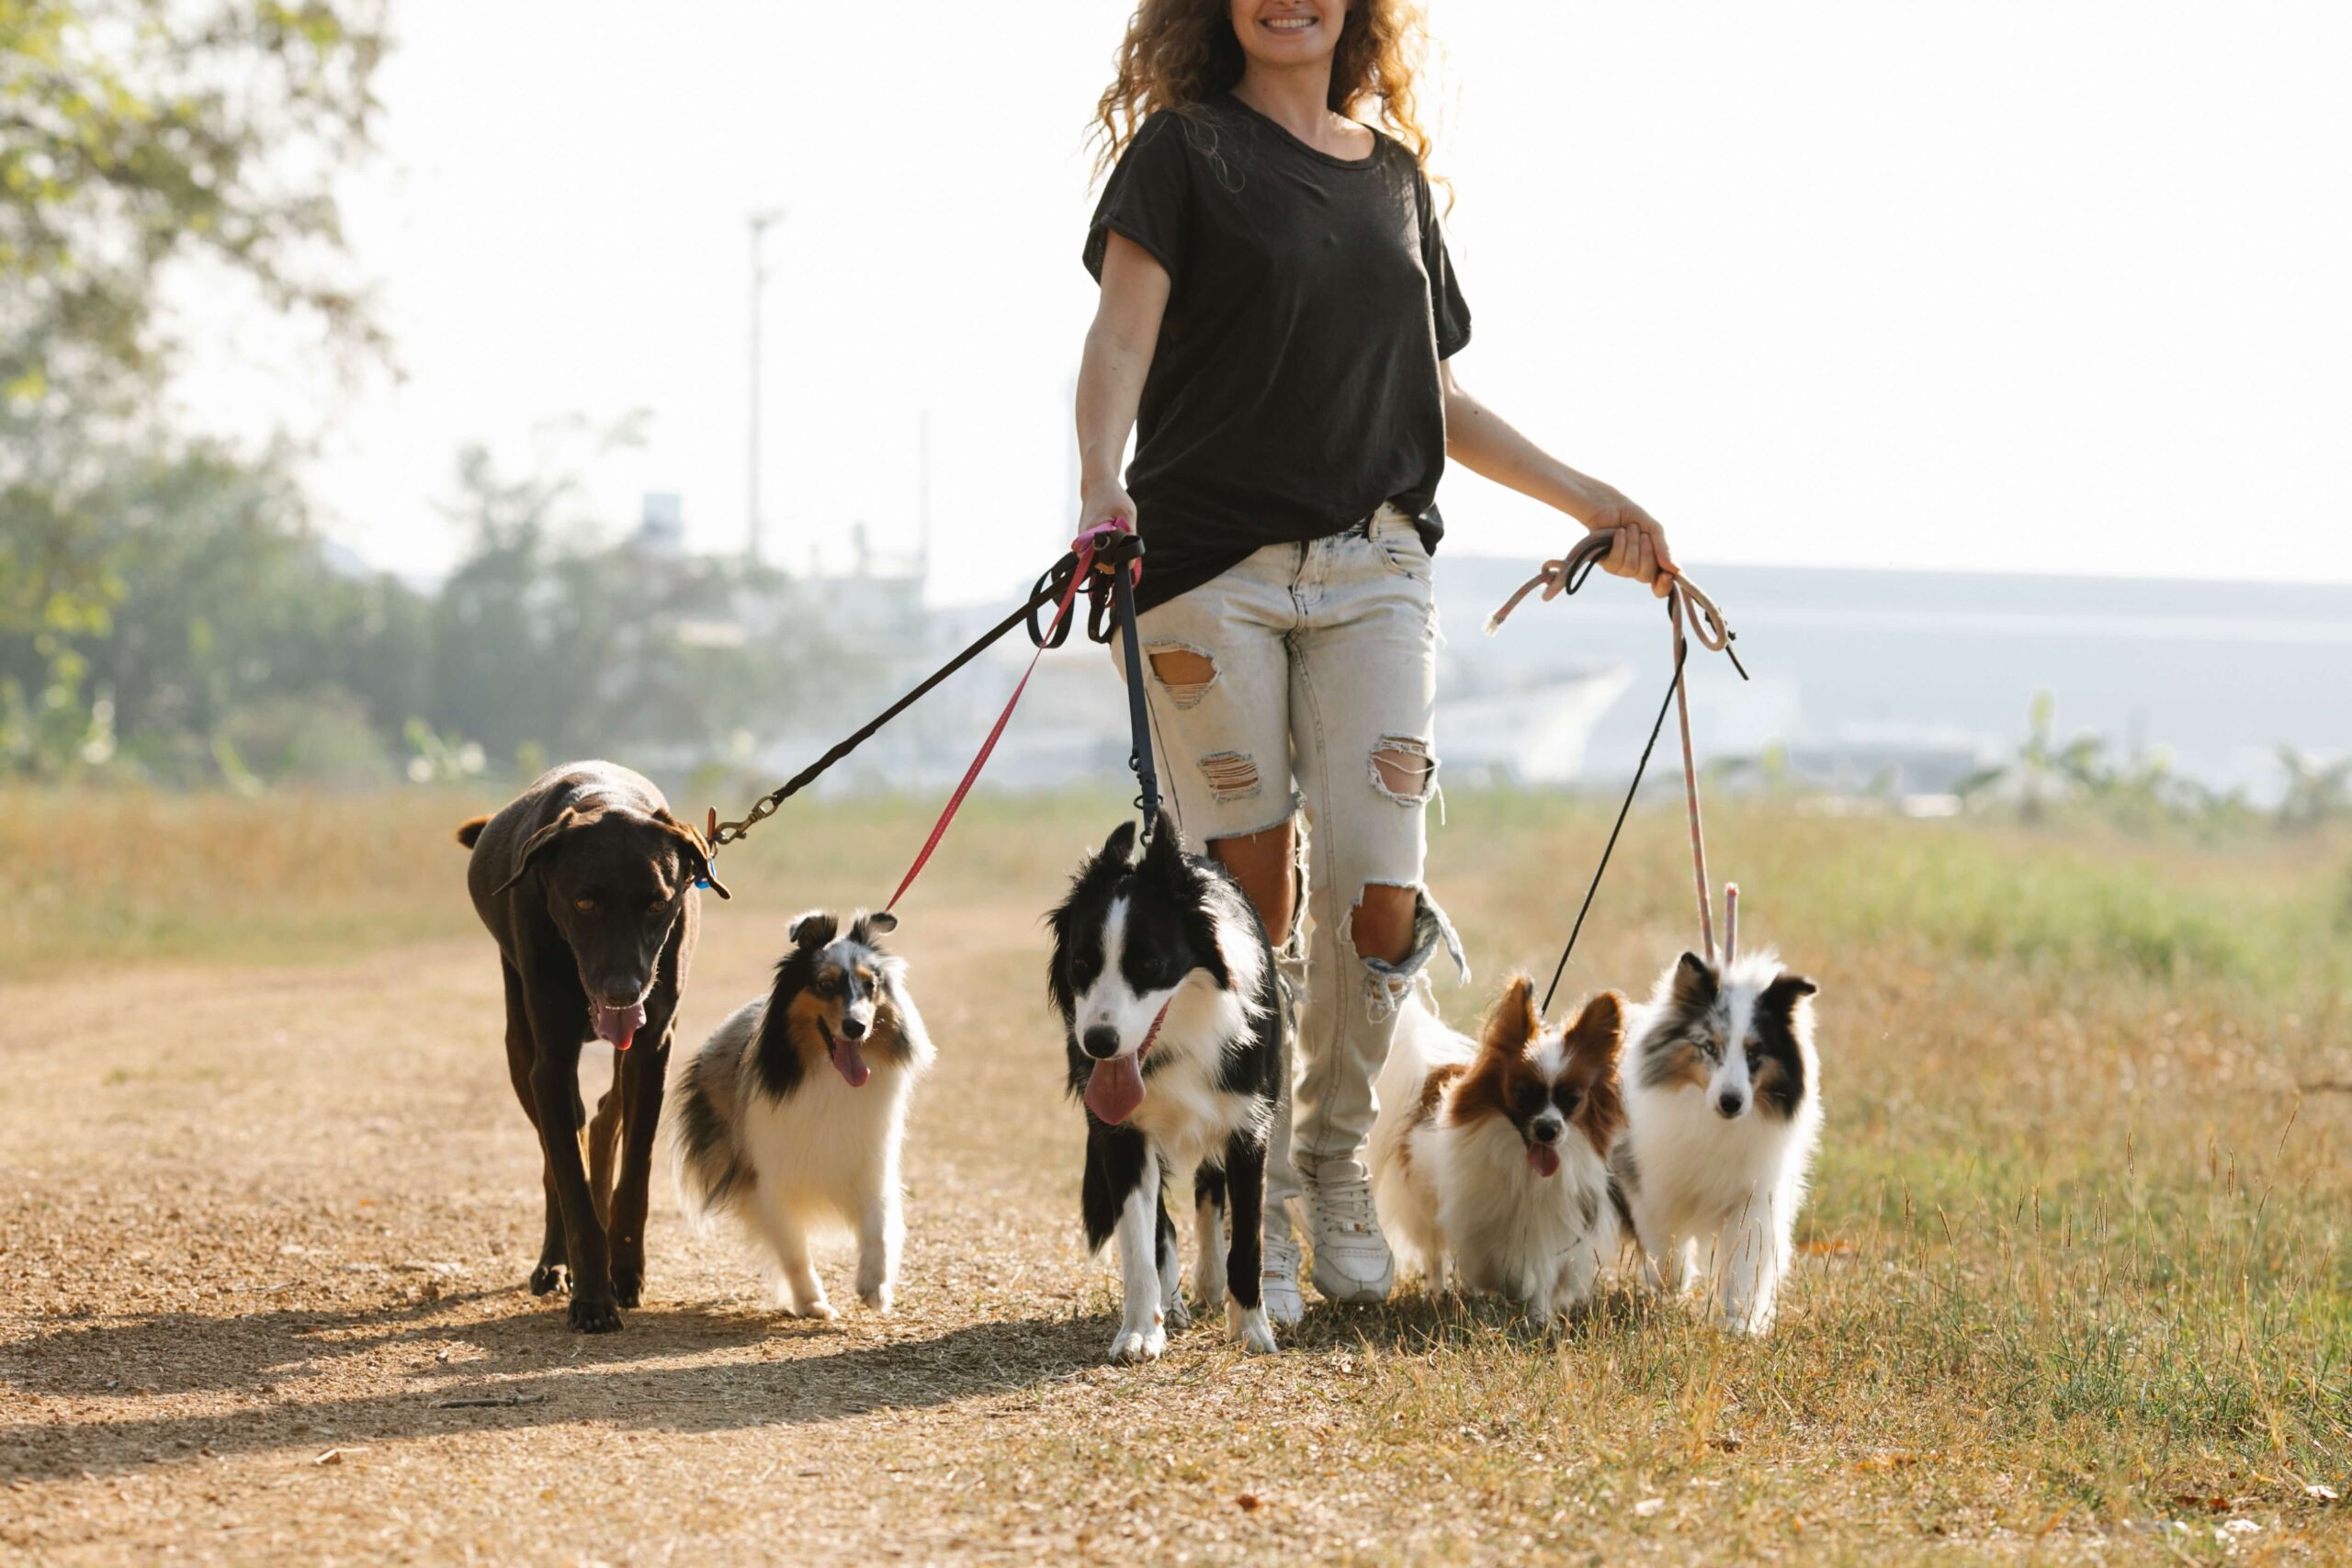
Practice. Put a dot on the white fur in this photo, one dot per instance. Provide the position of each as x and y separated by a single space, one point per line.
1717 1199
824 1158
1465 1202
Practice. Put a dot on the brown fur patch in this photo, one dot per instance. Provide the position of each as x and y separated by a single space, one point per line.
1678 1065
806 1011
1502 1068
1425 1110
1595 1041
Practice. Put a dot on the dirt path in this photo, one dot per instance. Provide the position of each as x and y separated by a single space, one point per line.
261 1228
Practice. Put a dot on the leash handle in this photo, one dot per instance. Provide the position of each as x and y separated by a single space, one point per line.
1567 575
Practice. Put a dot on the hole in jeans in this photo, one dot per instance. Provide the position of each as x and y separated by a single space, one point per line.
1403 770
1231 775
1184 673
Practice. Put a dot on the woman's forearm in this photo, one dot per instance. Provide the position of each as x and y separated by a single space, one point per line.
1484 442
1110 386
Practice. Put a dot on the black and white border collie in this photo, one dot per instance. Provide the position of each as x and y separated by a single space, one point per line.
790 1116
1175 1025
1723 1108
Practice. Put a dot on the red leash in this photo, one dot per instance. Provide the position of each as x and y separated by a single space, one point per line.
1084 547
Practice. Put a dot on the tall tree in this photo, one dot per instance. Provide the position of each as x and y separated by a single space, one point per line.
135 135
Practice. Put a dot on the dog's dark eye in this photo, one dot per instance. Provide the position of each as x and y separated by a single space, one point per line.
1569 1100
1527 1099
585 906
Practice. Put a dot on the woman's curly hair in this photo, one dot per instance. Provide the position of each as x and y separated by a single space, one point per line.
1178 53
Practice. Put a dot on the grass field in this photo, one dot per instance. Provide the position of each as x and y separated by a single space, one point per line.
2074 1283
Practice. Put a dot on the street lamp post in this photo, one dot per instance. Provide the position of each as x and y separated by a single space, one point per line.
760 224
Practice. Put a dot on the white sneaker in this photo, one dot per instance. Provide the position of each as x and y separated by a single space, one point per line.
1278 1279
1353 1263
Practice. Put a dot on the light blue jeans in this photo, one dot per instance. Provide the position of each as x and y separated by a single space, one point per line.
1322 694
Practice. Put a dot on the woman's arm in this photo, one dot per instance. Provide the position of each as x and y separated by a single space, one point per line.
1110 376
1484 442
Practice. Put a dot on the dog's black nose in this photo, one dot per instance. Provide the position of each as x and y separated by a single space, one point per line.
853 1028
1101 1043
1729 1105
1546 1131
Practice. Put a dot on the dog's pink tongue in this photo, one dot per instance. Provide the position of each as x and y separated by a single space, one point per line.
850 1064
1544 1158
617 1026
1116 1088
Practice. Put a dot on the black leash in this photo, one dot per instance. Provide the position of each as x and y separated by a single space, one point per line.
1672 686
1139 762
1116 562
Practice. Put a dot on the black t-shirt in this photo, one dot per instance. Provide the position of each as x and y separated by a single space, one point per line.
1294 386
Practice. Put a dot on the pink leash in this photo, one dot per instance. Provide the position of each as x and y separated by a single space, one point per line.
1084 546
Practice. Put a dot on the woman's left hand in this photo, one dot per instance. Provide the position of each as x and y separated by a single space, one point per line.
1640 551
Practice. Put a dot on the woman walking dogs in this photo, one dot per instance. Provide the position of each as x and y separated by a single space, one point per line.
1277 319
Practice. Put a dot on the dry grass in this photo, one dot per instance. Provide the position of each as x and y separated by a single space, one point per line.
2075 1282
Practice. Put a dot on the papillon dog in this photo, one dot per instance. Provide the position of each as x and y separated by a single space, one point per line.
790 1117
1723 1116
1489 1156
1175 1025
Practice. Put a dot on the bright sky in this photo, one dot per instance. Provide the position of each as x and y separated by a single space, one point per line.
2052 285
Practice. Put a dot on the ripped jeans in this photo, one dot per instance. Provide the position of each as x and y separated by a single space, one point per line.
1321 684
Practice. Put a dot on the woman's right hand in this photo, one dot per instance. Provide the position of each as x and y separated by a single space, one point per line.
1106 502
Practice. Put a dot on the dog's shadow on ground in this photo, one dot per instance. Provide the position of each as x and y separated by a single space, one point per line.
658 1374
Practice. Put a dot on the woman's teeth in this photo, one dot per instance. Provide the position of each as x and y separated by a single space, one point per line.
1290 24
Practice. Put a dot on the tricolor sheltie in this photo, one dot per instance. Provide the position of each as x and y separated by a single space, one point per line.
1175 1023
1490 1157
790 1116
1724 1113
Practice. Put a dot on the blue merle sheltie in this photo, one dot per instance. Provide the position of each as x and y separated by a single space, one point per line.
1723 1107
1176 1026
790 1116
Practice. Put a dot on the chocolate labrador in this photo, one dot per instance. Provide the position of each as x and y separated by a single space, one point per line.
588 883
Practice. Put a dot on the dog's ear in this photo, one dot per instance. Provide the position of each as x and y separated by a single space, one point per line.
1781 998
1512 1021
571 817
1119 849
1694 988
814 928
697 849
1599 1031
1165 852
867 927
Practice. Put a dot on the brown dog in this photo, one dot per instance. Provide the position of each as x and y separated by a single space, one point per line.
587 883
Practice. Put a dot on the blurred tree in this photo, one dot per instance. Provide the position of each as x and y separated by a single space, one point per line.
134 134
2317 792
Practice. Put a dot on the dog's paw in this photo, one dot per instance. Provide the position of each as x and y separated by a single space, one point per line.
1179 1316
876 1297
1135 1345
1248 1327
550 1277
629 1287
818 1311
594 1314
